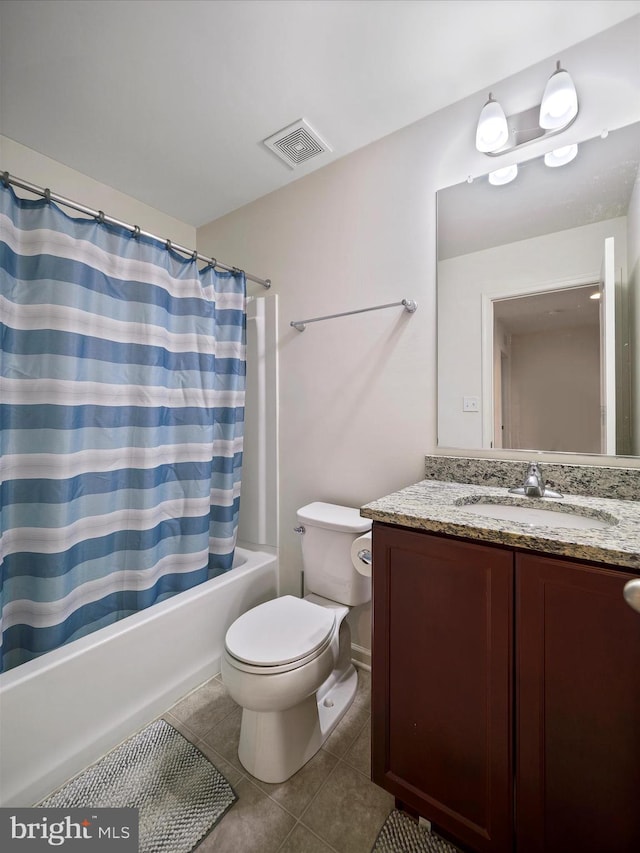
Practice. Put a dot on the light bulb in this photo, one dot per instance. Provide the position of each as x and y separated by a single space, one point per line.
503 176
492 132
560 156
559 102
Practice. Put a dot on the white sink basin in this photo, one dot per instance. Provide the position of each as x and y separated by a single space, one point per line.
536 517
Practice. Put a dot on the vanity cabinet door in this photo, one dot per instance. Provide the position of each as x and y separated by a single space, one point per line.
442 687
578 709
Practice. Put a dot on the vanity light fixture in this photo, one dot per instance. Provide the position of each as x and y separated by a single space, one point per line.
560 156
503 176
497 133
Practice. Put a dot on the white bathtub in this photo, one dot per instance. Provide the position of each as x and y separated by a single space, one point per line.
64 710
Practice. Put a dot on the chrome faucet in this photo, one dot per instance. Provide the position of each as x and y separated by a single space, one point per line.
534 485
533 481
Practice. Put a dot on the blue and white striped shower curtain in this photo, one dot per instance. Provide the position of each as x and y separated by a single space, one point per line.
121 424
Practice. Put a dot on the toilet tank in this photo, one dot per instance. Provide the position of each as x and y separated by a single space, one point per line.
326 552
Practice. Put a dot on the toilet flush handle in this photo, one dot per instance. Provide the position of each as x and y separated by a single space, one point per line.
300 529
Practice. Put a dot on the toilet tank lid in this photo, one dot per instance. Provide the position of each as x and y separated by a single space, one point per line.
346 519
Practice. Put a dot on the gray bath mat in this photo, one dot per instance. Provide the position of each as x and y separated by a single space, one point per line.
180 795
401 834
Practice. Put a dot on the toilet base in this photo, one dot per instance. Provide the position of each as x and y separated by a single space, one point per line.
276 744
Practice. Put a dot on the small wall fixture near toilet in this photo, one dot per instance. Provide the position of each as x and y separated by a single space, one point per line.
287 662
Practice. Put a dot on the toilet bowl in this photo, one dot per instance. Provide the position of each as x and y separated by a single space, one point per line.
285 717
287 662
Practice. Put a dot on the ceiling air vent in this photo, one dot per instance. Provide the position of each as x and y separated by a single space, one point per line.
297 144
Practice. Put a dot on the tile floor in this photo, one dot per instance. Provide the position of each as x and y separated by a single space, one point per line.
330 806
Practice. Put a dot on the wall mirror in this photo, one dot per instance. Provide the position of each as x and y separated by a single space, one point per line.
539 305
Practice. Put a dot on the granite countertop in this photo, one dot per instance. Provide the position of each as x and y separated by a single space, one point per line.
430 505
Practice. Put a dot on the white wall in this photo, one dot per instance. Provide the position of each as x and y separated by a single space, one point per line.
352 406
29 165
358 394
555 389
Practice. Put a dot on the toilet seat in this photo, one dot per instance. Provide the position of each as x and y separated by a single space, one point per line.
279 635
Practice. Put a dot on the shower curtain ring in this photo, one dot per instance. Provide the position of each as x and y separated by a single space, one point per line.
5 179
194 257
100 217
168 245
212 263
136 232
47 195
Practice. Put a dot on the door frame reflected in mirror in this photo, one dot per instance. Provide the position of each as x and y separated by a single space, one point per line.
574 342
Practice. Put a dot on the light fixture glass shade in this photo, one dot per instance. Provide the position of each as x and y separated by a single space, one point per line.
559 102
492 132
503 176
560 156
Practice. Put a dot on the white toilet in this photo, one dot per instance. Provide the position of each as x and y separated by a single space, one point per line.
287 662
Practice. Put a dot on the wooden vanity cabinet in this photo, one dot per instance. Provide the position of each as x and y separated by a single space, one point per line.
442 685
577 709
506 694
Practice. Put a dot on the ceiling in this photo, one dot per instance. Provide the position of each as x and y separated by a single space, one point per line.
169 101
549 312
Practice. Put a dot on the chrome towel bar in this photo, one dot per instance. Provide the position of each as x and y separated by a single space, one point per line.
408 304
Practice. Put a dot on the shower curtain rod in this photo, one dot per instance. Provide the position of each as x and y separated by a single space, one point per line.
409 305
137 231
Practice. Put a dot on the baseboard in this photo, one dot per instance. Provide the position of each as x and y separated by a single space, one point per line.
361 657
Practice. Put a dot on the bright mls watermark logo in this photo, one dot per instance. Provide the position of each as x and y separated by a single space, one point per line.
80 830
